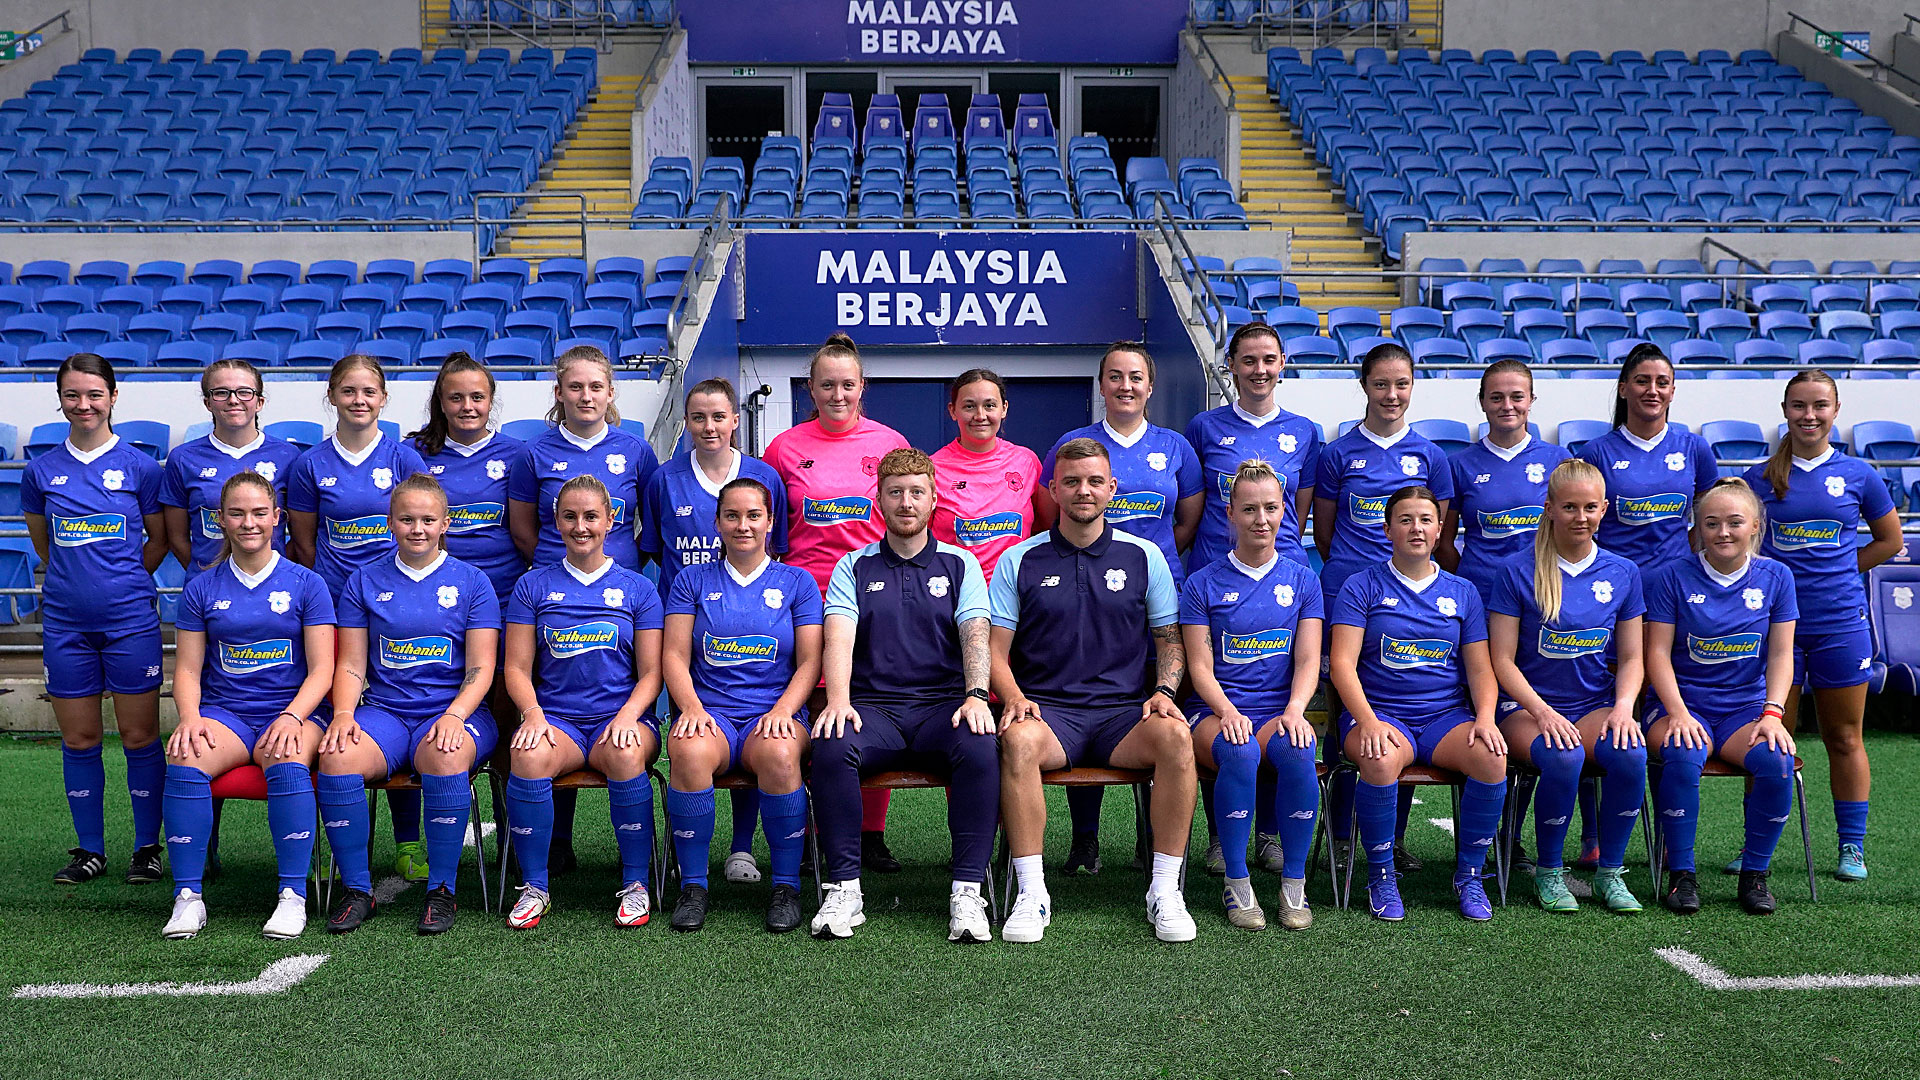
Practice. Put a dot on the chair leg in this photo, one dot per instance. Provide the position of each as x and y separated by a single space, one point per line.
1503 836
1656 836
503 831
1806 833
1646 834
1002 868
479 842
1143 825
813 858
662 838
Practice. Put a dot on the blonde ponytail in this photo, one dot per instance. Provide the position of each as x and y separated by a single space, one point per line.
1546 552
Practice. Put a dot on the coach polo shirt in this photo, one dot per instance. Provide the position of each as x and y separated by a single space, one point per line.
1080 615
908 609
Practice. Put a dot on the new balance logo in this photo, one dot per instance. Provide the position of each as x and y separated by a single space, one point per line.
444 821
632 826
1485 841
1237 815
137 793
683 834
87 793
342 823
179 839
1557 821
1673 813
521 832
1628 813
1388 846
798 833
303 834
1301 815
1778 820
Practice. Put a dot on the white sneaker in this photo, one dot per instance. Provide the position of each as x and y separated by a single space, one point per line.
289 918
1267 853
527 910
635 906
843 909
189 916
1028 920
741 869
1168 914
967 916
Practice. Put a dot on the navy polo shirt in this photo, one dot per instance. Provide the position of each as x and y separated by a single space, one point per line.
1080 616
909 609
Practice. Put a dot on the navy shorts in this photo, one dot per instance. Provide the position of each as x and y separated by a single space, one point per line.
251 727
1424 739
737 729
586 733
1720 723
1089 735
1831 661
400 736
82 663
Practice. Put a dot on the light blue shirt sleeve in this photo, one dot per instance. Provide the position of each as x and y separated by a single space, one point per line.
1003 595
1163 602
840 595
973 589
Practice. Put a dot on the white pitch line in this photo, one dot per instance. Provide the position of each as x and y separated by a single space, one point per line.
486 830
1714 979
279 977
1443 824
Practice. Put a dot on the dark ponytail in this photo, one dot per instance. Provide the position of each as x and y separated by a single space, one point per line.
1639 354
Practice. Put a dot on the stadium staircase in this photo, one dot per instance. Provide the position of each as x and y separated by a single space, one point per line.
594 162
1280 177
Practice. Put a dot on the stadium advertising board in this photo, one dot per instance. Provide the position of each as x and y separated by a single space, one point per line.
936 31
934 288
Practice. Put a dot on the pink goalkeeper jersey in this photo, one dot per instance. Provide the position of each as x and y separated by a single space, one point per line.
985 500
830 490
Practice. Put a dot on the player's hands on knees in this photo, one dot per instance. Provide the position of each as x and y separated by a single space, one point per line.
449 733
343 732
695 721
1684 730
833 721
1017 710
1377 738
1487 732
1561 733
1623 729
776 725
975 714
1159 705
283 736
623 733
1773 733
534 731
1236 727
1300 733
186 739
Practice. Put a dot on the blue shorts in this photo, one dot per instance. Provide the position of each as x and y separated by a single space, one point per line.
1830 661
586 733
1720 723
1089 735
251 727
398 737
737 729
1424 739
1575 712
82 663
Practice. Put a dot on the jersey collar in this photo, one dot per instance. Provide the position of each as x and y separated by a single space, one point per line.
88 457
1575 569
420 575
584 578
1257 573
1417 586
468 451
1258 421
922 558
356 460
1506 453
700 475
1644 444
1725 580
744 580
1810 464
580 443
1063 547
1383 442
1126 441
252 581
238 452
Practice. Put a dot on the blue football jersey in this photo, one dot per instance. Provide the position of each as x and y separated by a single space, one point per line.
351 495
196 471
1225 437
622 460
417 627
743 631
1252 614
583 635
475 478
678 510
1650 490
1500 495
1566 661
1814 532
256 645
1359 472
1151 474
96 506
1410 653
1720 627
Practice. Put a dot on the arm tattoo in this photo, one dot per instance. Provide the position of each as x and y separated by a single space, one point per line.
1170 656
473 673
976 660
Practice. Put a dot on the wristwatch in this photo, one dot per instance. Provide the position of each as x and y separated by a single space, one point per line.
976 692
1172 694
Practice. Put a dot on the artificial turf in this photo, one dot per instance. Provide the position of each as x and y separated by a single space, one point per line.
1529 995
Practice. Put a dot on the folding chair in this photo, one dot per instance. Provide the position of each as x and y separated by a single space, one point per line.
1417 776
1521 781
895 780
406 781
1140 780
249 782
1717 767
578 780
668 864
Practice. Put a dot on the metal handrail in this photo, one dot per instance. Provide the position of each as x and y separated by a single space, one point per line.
1649 225
1219 76
66 24
1261 23
1881 67
1204 308
684 312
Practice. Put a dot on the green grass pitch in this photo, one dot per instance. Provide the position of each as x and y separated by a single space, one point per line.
1530 995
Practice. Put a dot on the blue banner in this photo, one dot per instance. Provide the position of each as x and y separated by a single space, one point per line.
899 287
935 31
